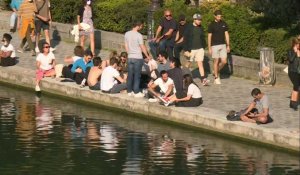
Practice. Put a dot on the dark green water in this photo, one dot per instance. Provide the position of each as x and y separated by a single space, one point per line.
49 136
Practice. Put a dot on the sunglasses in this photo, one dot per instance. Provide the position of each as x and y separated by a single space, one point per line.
3 40
168 15
47 47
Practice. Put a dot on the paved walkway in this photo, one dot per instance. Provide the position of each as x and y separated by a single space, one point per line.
232 94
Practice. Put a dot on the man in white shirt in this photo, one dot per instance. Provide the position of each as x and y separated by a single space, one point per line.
110 77
165 84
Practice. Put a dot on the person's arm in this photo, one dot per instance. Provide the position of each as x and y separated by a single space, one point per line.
170 88
265 113
120 79
144 50
250 107
13 6
6 54
209 43
79 14
151 90
187 98
38 64
227 41
74 67
159 28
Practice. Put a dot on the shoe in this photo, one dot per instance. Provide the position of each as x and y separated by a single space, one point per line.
294 105
205 82
37 50
82 84
217 80
33 53
37 88
20 50
167 104
52 49
139 95
130 94
12 30
153 100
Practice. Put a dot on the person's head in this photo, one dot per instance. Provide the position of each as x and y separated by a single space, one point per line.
174 63
162 56
187 80
113 53
97 61
79 51
182 19
45 47
6 39
88 55
30 1
218 15
197 19
113 61
86 2
123 57
168 14
256 93
138 25
164 75
296 43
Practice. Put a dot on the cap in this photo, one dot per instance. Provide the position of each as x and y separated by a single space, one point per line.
181 17
218 12
197 16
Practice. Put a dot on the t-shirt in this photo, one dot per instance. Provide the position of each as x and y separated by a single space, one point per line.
133 40
194 91
27 10
181 29
16 4
262 104
168 24
176 75
164 85
197 40
45 60
108 78
161 67
9 48
217 29
43 8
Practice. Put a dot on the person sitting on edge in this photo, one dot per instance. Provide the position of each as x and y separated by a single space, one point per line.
7 51
175 73
81 67
95 74
110 77
106 63
70 60
161 87
193 97
45 63
261 102
163 63
123 65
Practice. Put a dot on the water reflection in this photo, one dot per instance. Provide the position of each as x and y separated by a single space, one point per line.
40 135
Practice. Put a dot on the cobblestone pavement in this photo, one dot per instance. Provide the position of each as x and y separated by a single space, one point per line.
232 94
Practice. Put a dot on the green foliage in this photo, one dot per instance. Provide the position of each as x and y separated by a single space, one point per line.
4 4
65 11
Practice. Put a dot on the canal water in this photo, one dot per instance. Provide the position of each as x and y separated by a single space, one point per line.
43 135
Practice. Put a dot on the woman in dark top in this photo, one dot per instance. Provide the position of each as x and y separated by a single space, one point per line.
85 15
294 71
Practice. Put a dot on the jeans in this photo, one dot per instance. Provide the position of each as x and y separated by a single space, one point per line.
117 88
13 19
134 75
163 45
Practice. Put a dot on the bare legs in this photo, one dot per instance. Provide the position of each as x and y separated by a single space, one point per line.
92 42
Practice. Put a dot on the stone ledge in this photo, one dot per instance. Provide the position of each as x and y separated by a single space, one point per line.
200 117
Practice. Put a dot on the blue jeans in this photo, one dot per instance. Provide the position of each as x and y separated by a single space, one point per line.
134 75
163 45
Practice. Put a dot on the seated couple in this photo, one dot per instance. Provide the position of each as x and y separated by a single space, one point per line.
163 88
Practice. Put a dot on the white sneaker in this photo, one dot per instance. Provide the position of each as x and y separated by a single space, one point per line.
153 100
37 88
139 95
52 49
205 82
37 50
217 80
130 94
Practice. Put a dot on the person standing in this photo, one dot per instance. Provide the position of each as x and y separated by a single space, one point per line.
134 46
194 44
26 14
165 36
14 5
85 15
294 72
179 37
218 43
43 21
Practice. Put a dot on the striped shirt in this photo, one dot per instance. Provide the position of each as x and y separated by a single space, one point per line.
27 10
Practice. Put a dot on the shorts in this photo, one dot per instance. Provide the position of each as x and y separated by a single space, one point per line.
197 55
41 73
39 25
219 51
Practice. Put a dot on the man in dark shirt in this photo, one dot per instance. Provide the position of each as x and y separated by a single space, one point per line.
179 37
175 73
194 44
218 43
165 35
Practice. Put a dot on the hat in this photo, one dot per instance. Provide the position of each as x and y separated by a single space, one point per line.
218 12
181 17
197 16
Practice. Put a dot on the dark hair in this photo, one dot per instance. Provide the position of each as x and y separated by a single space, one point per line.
218 12
113 60
7 36
255 92
163 72
163 54
175 61
113 53
295 41
137 23
88 53
41 46
97 61
187 80
79 51
124 54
